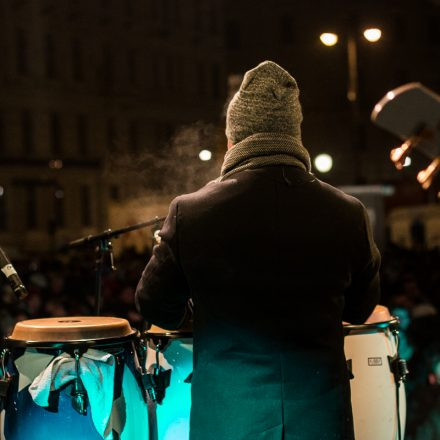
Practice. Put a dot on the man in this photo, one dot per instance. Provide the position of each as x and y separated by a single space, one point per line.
274 260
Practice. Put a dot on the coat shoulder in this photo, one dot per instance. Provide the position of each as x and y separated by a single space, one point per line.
340 197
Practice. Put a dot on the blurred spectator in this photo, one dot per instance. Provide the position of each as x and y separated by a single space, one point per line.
410 288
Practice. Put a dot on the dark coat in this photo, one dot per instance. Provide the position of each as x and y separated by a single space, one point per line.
274 260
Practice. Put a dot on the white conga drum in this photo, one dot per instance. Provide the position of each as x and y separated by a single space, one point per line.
73 378
172 350
377 389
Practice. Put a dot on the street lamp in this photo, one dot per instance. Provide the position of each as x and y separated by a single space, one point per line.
372 35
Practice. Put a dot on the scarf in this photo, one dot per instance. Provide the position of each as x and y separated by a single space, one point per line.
265 149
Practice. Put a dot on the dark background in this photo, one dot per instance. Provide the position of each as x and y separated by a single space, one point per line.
105 105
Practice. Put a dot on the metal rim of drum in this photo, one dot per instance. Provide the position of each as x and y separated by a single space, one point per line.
382 325
101 342
168 335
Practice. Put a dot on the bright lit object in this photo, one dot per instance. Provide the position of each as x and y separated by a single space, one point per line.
328 38
323 163
407 162
372 35
205 155
2 191
391 95
56 164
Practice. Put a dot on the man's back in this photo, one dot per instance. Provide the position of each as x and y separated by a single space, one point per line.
274 260
270 257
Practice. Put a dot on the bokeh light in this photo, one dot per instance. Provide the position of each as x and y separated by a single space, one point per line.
205 155
323 163
372 34
329 38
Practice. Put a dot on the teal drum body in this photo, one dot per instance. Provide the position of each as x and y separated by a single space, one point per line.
172 350
72 378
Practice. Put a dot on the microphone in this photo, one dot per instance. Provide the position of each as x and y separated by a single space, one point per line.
11 274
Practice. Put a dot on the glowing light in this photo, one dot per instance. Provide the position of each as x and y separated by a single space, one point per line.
59 194
323 163
205 155
391 95
407 162
328 38
426 176
372 34
56 164
2 191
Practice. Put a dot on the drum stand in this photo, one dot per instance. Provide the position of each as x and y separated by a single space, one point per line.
104 252
154 384
400 371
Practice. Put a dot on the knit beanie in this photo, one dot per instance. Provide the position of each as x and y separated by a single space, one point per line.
267 102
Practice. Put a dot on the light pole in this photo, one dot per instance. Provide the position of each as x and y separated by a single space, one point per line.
329 39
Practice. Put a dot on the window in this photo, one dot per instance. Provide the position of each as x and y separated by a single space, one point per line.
85 196
27 129
82 130
400 30
133 135
201 79
77 61
131 64
197 15
286 30
49 56
170 74
232 35
107 66
2 135
216 87
22 52
434 31
55 133
59 207
115 193
213 21
111 134
3 211
31 207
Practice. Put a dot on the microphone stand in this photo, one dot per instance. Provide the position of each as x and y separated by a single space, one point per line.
104 252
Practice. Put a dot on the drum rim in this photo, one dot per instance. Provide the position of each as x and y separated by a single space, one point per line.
394 322
172 334
117 340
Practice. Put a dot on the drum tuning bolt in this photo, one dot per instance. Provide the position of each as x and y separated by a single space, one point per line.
5 379
399 368
78 393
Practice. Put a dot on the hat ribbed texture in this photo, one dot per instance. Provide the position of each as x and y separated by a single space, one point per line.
267 102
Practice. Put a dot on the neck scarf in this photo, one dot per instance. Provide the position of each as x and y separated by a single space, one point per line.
265 149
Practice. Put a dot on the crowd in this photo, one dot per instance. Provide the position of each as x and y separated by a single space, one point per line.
64 286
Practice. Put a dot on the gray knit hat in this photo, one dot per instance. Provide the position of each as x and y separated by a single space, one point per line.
267 102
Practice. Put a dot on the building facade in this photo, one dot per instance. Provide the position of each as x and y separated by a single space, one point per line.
87 90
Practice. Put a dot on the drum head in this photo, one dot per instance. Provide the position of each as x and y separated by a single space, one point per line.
184 332
71 328
380 314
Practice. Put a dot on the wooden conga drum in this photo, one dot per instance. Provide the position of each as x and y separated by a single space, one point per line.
73 378
172 350
377 392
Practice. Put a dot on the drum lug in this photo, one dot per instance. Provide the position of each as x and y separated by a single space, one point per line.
78 393
5 379
350 369
399 368
156 383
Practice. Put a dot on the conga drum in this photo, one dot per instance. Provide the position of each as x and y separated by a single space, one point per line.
377 389
172 351
73 378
